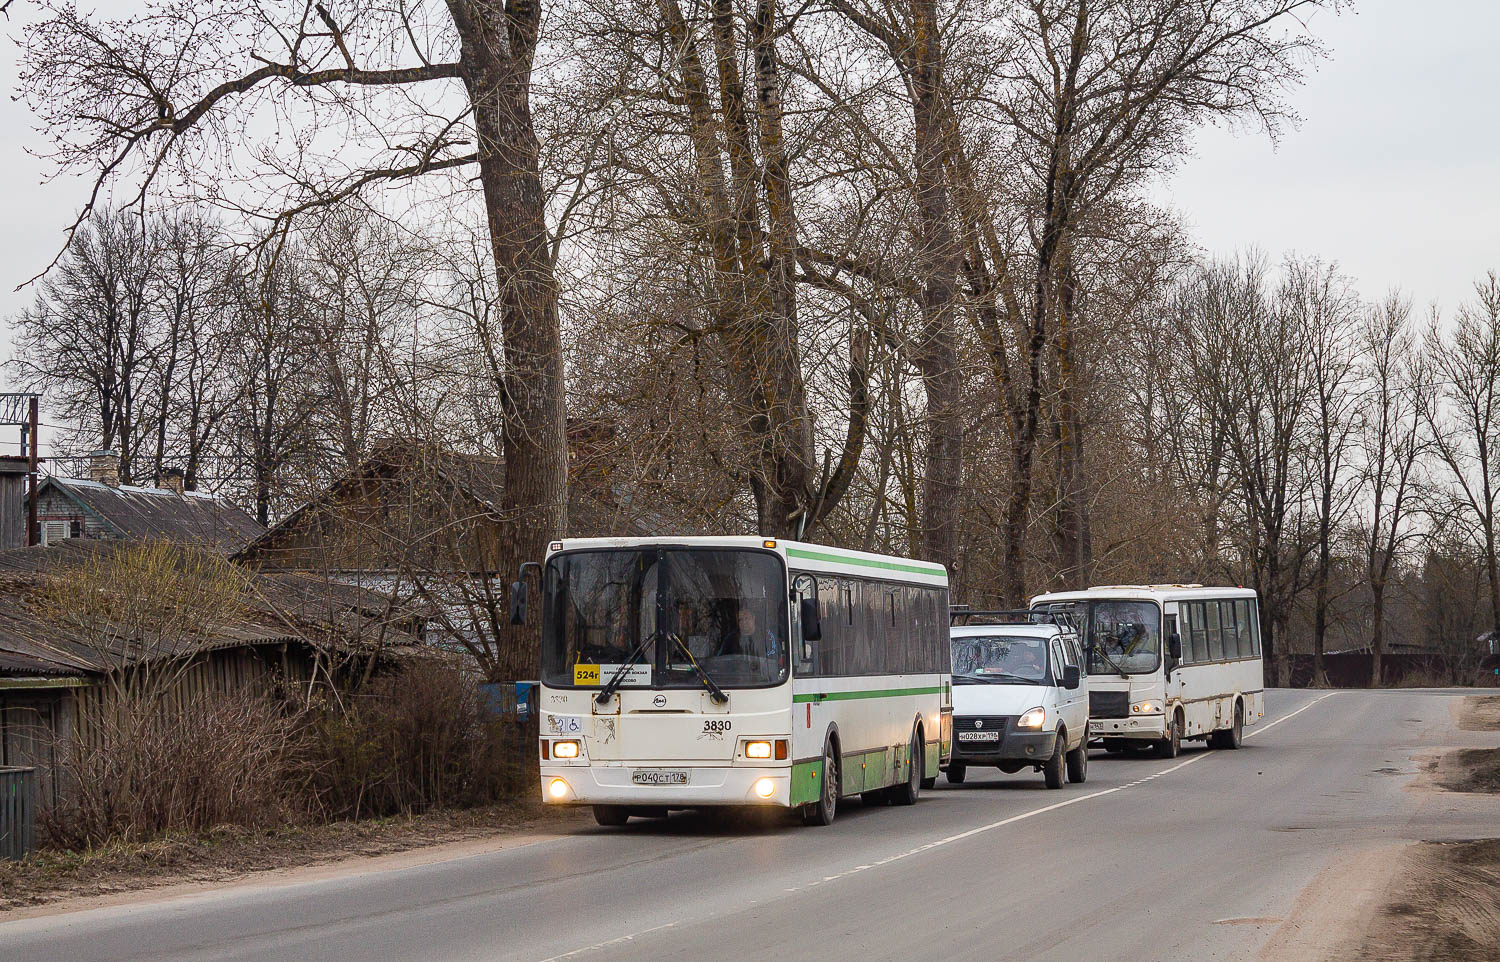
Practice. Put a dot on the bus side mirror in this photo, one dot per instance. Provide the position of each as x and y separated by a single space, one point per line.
518 603
812 625
1071 677
1174 646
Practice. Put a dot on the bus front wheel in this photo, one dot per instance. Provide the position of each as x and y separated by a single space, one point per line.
611 816
826 807
1171 746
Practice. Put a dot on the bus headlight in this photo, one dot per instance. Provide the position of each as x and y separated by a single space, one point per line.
757 749
564 749
557 788
1034 718
1148 707
764 787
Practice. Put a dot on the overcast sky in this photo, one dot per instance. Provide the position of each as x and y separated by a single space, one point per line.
1393 172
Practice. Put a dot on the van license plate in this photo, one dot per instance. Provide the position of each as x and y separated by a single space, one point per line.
659 777
979 736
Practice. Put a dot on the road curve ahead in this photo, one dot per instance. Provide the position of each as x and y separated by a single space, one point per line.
1199 857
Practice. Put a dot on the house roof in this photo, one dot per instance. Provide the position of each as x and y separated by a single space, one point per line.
137 512
596 506
276 608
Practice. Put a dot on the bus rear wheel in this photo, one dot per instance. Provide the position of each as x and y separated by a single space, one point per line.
906 793
826 807
1233 736
611 816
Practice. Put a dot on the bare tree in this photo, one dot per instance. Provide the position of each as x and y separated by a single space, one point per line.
1465 425
1325 306
404 90
1393 441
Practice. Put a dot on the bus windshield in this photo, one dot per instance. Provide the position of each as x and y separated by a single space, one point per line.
723 609
999 659
1123 637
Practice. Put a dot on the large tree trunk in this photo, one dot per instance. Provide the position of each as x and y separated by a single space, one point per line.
497 54
939 257
1377 631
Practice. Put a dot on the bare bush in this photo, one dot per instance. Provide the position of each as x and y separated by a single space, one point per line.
410 742
224 759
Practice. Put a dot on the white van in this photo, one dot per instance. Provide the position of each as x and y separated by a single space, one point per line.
1019 698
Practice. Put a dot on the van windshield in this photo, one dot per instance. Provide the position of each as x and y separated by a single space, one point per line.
999 659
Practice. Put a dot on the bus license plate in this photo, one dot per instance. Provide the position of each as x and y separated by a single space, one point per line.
979 736
659 777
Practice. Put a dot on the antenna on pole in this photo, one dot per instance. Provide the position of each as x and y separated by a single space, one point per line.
24 411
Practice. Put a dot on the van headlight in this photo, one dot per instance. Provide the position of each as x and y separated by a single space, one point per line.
1034 718
1148 707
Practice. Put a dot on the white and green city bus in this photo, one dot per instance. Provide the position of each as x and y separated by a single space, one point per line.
739 671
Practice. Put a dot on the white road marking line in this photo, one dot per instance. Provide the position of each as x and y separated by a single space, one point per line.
960 836
604 945
1264 728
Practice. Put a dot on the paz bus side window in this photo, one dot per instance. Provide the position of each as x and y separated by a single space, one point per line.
1230 631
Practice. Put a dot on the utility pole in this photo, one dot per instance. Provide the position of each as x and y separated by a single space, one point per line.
24 411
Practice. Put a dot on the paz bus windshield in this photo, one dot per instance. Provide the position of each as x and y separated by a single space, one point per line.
1123 637
661 611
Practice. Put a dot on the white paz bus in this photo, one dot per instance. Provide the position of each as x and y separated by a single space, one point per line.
738 671
1167 663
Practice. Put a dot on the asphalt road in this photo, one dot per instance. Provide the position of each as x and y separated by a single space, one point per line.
1195 858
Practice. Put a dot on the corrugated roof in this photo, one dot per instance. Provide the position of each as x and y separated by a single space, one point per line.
279 608
597 506
137 512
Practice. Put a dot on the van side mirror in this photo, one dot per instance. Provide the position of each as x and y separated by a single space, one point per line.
812 624
1071 676
518 603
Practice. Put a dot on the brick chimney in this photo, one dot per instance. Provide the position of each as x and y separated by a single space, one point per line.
174 480
104 467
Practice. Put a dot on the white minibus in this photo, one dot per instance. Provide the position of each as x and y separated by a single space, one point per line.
690 672
1167 663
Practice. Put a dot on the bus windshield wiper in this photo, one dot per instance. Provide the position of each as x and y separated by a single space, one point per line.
1099 650
620 673
714 691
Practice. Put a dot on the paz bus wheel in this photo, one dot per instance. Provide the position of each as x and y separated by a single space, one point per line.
826 807
1171 746
1234 736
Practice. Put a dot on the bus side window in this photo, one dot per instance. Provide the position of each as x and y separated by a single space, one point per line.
1198 630
1253 605
1211 623
1229 630
1242 627
1166 635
